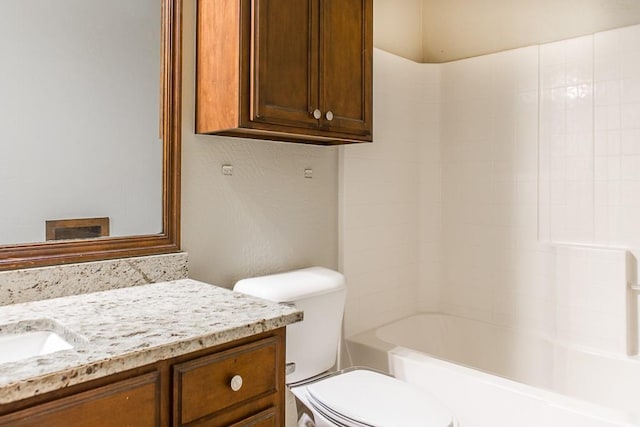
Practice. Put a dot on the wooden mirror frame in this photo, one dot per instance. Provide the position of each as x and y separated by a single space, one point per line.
53 253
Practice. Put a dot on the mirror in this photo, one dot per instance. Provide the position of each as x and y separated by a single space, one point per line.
89 130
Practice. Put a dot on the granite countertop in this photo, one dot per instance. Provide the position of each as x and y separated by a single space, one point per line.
113 331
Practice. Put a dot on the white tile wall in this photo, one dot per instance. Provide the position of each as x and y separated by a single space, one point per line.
590 139
384 222
617 134
566 132
477 166
494 268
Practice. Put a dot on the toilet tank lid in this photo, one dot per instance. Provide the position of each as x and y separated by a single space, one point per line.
293 285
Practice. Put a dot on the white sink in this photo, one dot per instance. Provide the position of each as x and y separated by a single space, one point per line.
18 346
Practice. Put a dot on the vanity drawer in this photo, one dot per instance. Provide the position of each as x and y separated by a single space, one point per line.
266 418
205 386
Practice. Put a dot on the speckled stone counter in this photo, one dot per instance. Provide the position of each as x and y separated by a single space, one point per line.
121 329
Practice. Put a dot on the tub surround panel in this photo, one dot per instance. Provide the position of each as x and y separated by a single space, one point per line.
589 133
19 286
380 206
591 299
566 135
518 152
540 151
493 265
128 328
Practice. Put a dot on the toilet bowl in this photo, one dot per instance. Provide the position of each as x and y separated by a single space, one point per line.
354 397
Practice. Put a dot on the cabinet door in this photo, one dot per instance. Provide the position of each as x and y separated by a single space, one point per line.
284 75
132 402
346 45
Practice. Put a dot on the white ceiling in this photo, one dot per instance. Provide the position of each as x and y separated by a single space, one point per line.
446 30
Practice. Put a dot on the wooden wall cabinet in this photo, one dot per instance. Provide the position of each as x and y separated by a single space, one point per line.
238 384
290 70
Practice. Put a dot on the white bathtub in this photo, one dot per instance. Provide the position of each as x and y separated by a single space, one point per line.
466 362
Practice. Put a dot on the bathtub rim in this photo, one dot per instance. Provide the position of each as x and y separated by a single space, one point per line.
369 342
371 338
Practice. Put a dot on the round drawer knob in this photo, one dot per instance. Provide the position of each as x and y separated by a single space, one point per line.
329 115
236 383
317 114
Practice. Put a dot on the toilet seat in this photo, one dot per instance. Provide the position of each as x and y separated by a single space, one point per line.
363 398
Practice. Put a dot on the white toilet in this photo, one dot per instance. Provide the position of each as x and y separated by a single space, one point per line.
355 397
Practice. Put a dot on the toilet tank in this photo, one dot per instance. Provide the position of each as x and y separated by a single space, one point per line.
313 343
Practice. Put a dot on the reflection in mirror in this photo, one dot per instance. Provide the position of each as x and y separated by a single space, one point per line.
89 129
79 115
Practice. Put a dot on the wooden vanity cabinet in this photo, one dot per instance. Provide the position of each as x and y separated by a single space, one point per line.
134 401
238 384
291 70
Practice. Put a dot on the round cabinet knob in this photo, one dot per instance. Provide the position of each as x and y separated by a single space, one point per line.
317 114
236 383
329 115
